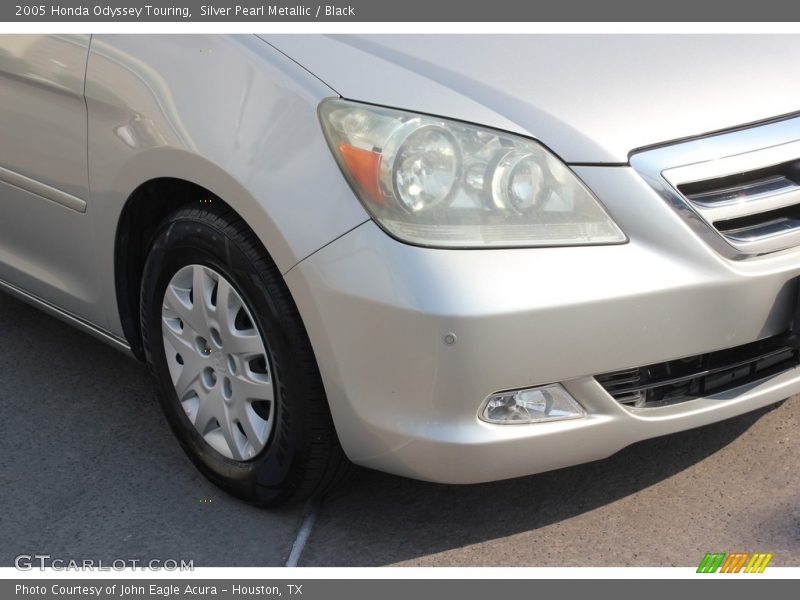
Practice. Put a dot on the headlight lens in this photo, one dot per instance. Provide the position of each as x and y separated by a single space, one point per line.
434 182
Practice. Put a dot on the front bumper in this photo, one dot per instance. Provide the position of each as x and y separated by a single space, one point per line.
404 401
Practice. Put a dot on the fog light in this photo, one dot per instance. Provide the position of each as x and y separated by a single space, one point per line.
532 405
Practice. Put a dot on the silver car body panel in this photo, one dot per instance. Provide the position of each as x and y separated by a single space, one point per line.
590 98
227 113
85 326
47 192
238 117
46 238
406 402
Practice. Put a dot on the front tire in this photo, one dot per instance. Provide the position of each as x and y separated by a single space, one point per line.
233 365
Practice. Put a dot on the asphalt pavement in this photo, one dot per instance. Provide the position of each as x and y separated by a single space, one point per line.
89 469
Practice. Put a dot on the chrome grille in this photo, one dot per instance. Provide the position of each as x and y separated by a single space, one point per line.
742 188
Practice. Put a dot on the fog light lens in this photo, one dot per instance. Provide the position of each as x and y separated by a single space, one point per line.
532 405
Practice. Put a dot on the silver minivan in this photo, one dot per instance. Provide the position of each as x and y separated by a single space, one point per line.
453 258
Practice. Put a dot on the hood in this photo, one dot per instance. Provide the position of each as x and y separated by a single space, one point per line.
590 98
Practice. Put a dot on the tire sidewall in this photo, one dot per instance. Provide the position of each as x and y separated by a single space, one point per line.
270 475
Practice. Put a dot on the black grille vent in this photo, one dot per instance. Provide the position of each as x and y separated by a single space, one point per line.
698 376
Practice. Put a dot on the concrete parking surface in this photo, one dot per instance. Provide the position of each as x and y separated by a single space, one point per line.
90 469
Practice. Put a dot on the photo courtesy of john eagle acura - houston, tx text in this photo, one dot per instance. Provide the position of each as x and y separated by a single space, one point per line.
452 258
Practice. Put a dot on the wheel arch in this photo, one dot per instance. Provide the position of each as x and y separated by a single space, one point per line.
145 208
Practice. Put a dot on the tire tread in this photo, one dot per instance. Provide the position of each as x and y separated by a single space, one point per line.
323 464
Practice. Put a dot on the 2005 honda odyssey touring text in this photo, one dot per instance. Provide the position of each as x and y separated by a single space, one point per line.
453 258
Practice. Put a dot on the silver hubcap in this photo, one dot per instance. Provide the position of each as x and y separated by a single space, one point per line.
218 362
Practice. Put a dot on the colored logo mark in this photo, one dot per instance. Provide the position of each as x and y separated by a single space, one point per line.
736 562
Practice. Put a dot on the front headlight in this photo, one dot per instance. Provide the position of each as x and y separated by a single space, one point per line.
434 182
